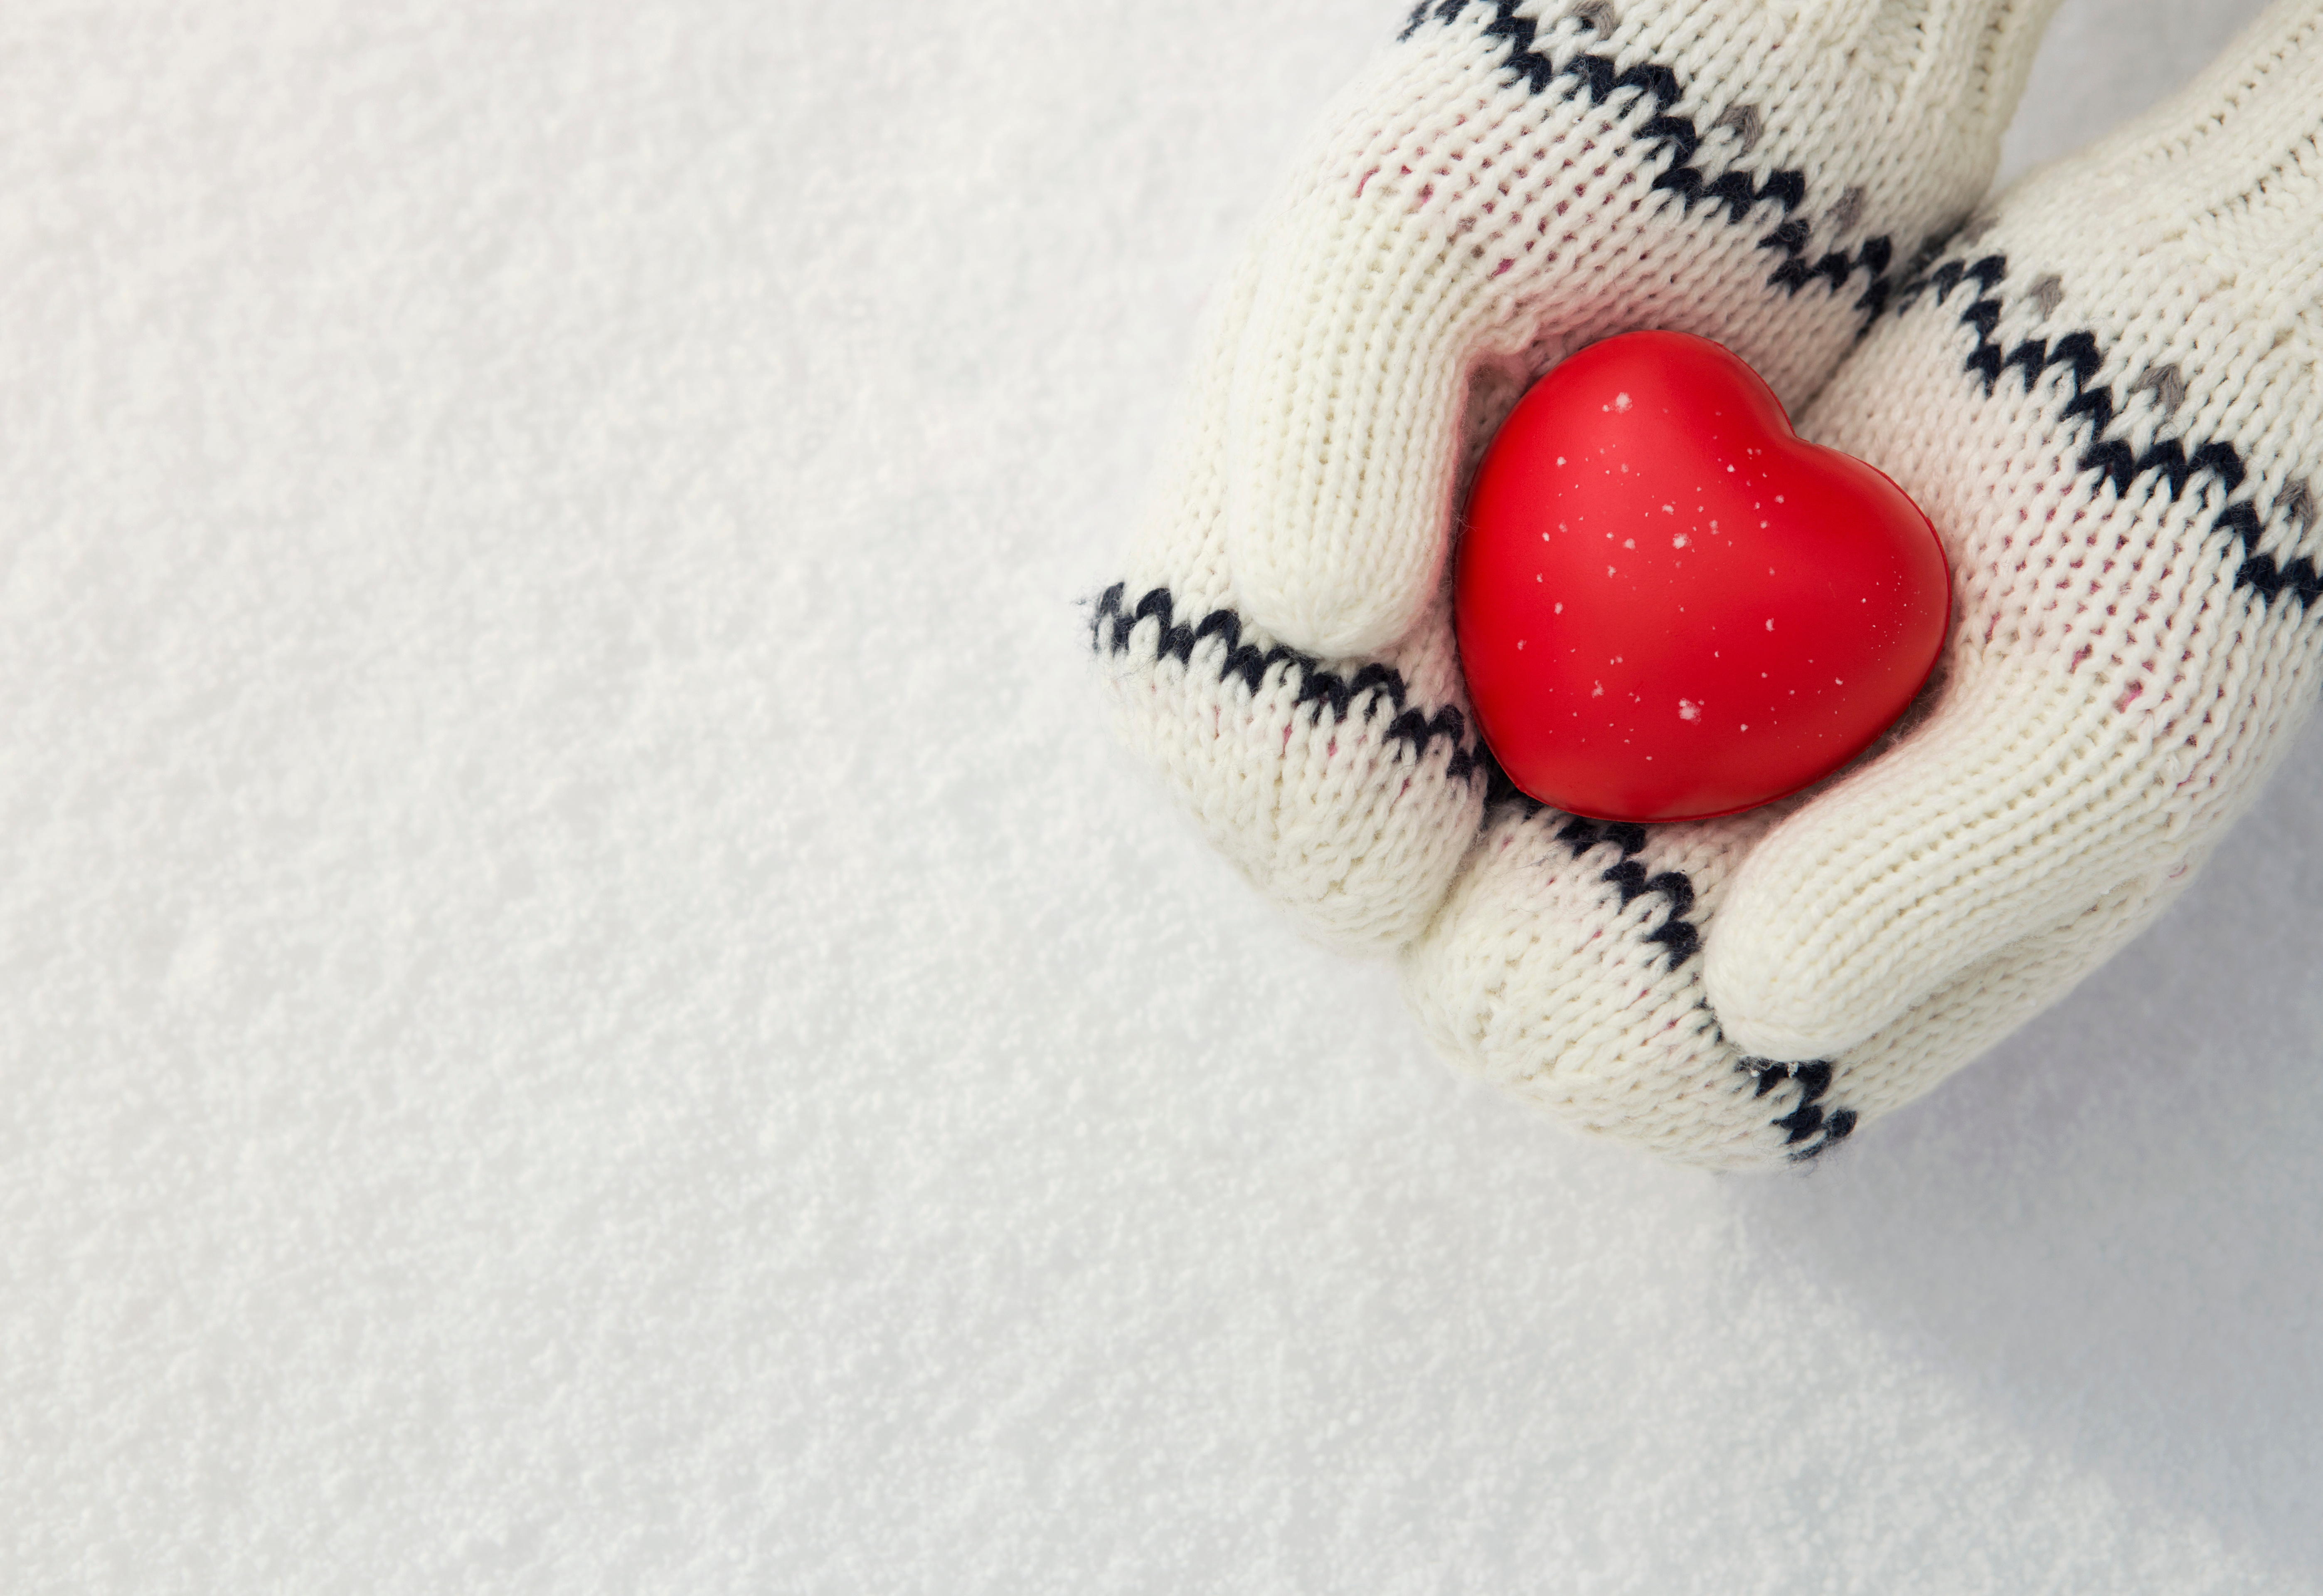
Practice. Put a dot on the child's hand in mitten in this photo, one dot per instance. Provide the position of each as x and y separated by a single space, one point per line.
1502 189
2106 393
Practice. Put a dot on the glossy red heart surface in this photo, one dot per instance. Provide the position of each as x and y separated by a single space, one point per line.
1669 605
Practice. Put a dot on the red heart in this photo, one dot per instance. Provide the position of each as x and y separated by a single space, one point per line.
1671 606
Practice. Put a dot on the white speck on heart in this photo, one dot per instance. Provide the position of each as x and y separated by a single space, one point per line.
1621 402
1609 570
1628 543
1669 510
1519 642
1746 726
1560 460
1601 691
1679 541
1770 625
1560 609
1778 498
1687 709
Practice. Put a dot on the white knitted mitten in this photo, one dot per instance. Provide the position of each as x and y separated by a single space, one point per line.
2107 394
1509 182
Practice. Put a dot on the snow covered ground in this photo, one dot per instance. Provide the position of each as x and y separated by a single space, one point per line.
584 1004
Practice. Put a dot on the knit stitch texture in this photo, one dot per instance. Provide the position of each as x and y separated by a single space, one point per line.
2104 390
1506 185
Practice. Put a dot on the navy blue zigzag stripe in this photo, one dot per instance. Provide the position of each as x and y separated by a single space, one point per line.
1834 266
2095 402
1602 78
1111 626
1811 1127
1679 935
1812 1122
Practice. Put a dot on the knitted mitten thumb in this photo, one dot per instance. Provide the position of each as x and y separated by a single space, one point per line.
1503 186
2110 400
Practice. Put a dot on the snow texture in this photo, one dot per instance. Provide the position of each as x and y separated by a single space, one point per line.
584 1004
